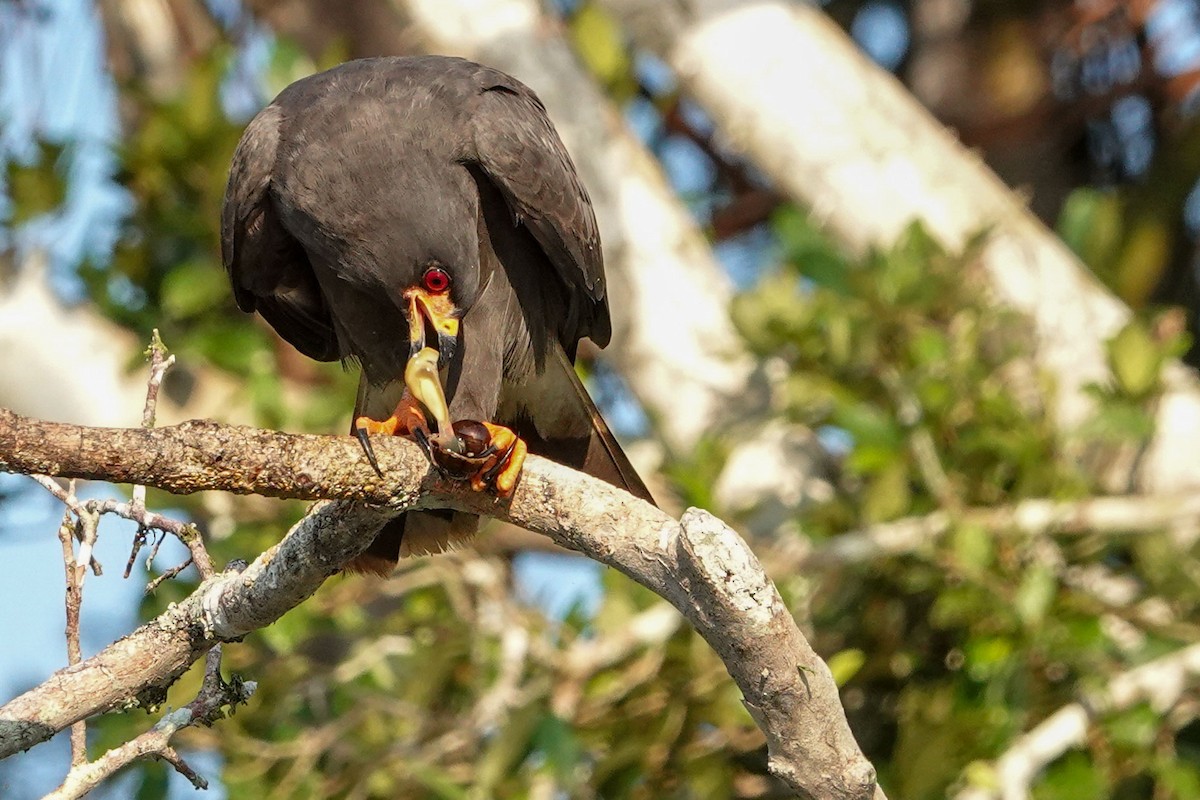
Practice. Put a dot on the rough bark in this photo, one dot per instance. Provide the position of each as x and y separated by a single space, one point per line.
697 563
845 138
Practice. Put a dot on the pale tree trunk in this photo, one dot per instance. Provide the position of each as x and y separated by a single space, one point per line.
152 41
837 133
72 365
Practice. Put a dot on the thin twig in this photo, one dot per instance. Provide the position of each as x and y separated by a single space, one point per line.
1095 515
160 362
74 598
214 696
146 520
81 522
208 706
167 575
135 509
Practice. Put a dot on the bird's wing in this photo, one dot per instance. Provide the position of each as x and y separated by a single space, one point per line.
520 152
268 268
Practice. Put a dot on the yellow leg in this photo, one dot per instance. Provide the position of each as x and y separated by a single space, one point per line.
407 417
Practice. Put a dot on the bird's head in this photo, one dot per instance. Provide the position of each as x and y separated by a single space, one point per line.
433 312
440 285
433 316
433 274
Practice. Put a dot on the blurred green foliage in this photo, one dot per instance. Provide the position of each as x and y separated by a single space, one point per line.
1133 237
38 186
166 270
899 344
952 650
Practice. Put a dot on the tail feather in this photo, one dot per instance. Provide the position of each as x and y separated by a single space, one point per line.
605 459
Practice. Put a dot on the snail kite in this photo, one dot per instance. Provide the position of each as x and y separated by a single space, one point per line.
420 216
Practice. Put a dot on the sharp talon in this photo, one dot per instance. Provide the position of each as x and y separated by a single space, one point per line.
422 438
364 440
490 474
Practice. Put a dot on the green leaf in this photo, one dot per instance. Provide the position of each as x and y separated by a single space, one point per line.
1090 224
1037 590
845 664
1179 778
555 738
194 287
1135 359
888 494
600 43
40 186
806 247
973 548
869 425
1072 777
988 656
1135 728
438 782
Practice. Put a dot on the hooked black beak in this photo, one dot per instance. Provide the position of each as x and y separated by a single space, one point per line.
436 314
432 314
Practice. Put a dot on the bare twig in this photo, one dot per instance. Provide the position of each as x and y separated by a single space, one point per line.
81 522
167 575
696 563
146 520
74 599
160 361
1160 682
135 509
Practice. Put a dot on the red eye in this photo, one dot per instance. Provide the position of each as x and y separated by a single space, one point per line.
436 280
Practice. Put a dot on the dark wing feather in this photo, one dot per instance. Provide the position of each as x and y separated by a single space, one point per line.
517 147
268 268
603 457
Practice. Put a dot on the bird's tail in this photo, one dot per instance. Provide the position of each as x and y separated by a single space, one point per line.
601 456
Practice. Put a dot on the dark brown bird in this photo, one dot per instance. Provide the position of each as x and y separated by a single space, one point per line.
421 216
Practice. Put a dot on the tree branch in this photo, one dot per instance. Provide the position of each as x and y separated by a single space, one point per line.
697 563
1034 517
208 707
